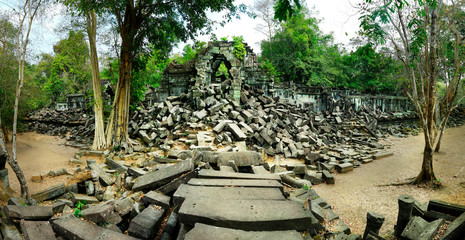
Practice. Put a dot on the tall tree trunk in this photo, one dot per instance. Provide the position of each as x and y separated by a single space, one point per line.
427 171
99 131
122 104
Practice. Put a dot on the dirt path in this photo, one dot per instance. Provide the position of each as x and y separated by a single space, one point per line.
37 153
357 192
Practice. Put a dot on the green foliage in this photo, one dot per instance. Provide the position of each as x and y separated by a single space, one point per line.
67 71
284 9
270 70
306 187
301 53
222 70
224 39
372 72
78 210
239 48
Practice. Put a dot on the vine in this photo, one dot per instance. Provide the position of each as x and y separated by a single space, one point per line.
239 48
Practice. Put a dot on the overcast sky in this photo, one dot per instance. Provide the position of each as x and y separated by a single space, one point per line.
338 17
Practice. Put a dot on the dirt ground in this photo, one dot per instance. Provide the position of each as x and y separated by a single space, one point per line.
358 192
37 153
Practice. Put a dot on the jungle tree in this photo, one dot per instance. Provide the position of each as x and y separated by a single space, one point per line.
413 29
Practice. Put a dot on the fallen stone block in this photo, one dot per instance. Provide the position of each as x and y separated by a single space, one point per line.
207 232
444 207
173 185
248 215
237 132
84 198
380 155
344 167
49 193
37 230
156 198
28 212
205 173
104 177
10 232
163 176
456 228
241 159
328 177
146 224
221 193
58 172
112 164
414 228
235 183
123 206
99 213
36 178
136 172
73 228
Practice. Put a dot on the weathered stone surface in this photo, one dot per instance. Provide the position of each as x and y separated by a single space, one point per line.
173 185
456 228
247 158
90 187
28 212
37 230
104 177
414 228
156 198
163 176
344 167
73 228
146 224
328 177
206 232
79 197
204 173
235 183
10 232
382 155
123 206
237 132
221 193
49 193
99 213
112 164
429 232
249 215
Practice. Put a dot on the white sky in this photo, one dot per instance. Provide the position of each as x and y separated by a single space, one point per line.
338 17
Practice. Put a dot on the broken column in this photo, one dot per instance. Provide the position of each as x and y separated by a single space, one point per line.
406 203
374 223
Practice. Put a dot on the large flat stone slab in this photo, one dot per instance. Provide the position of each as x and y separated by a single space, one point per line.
153 180
248 215
205 173
73 228
206 232
221 193
28 212
209 182
37 230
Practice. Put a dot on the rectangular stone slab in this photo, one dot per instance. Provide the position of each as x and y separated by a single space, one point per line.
211 182
37 230
206 232
153 180
49 193
204 173
73 228
248 215
221 193
28 212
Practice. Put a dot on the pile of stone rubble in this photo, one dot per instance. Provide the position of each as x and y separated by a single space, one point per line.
180 196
